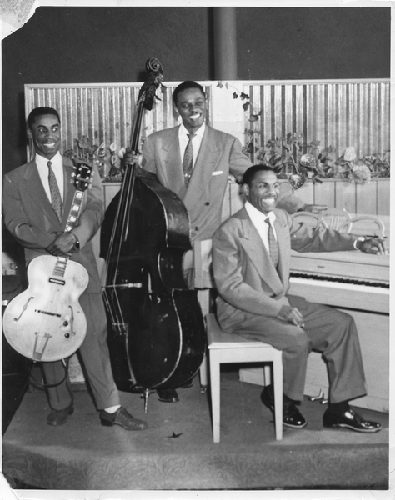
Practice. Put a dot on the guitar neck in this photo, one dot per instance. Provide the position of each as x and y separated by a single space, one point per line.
75 211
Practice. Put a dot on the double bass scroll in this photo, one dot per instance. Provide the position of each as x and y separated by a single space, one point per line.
156 332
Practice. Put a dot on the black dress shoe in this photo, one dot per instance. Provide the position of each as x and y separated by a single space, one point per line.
350 420
123 418
168 395
59 417
291 415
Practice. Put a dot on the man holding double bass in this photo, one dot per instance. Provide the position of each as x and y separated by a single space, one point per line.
194 161
36 200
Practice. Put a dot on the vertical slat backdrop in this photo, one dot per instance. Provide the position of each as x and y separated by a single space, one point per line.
103 112
336 114
340 114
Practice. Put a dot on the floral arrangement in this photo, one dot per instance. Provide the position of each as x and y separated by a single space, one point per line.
291 158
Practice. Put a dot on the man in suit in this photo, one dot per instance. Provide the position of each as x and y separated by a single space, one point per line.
194 161
251 260
37 198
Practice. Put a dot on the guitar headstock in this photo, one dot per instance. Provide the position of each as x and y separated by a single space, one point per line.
82 175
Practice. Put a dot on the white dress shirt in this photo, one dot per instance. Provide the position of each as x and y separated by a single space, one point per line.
258 220
196 141
57 168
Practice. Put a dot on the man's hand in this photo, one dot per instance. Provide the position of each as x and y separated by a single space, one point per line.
63 245
372 245
296 317
130 157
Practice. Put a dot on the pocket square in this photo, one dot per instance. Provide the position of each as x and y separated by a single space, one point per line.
218 172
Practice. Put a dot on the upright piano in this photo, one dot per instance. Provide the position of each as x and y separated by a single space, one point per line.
356 283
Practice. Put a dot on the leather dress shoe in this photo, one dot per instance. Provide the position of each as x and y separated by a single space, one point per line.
167 395
291 415
59 417
350 420
123 418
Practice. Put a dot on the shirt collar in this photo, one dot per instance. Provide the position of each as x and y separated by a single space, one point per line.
199 133
42 161
255 214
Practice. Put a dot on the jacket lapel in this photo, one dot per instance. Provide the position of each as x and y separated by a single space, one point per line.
172 171
258 254
68 190
283 261
206 162
39 198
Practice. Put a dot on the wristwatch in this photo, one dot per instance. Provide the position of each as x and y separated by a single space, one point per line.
76 245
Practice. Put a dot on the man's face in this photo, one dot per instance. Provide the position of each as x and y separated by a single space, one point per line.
191 104
46 135
264 191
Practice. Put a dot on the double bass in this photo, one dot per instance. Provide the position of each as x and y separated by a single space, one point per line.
156 331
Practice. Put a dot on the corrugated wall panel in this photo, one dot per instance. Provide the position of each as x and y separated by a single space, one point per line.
339 114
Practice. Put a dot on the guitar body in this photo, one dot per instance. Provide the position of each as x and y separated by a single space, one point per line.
46 321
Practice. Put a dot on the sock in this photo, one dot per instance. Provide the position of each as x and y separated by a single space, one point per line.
341 407
112 409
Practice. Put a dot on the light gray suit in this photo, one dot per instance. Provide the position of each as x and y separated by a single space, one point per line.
219 155
254 302
29 216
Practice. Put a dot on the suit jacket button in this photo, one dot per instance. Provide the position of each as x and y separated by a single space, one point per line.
207 204
196 228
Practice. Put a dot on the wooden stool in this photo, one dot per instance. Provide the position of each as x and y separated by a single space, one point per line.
230 348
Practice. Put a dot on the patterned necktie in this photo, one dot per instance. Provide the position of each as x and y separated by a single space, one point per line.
187 163
273 246
56 199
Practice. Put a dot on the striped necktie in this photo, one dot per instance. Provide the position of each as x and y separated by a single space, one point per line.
273 246
187 163
56 199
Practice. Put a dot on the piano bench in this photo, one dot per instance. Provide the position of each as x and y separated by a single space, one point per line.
231 348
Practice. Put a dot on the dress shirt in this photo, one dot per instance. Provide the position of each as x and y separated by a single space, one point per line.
258 220
196 141
57 168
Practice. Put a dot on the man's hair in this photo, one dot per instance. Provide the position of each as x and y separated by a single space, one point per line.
36 112
250 173
186 85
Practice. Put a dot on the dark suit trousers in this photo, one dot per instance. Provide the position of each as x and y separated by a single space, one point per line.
326 330
95 357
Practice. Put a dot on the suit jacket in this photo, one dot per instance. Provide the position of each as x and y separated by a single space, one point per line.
244 274
219 154
29 216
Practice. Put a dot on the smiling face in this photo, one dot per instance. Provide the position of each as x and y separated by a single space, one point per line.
191 104
45 132
264 191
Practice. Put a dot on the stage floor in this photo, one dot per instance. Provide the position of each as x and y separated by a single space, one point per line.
176 452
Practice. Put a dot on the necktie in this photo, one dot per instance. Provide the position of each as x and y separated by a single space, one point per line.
273 246
56 199
187 163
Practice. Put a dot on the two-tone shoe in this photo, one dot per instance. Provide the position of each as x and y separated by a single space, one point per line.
349 420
